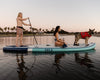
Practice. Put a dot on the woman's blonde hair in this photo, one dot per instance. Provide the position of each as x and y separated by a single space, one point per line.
19 14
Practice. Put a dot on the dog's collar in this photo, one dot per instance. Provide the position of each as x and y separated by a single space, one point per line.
89 34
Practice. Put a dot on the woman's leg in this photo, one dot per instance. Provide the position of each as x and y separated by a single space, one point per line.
64 43
17 37
21 39
59 43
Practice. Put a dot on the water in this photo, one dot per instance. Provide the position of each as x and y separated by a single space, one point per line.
63 66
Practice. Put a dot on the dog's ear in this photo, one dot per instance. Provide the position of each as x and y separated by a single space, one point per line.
93 29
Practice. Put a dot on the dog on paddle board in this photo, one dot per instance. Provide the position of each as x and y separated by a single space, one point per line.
83 35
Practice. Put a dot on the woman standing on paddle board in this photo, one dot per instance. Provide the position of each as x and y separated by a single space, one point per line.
20 24
58 41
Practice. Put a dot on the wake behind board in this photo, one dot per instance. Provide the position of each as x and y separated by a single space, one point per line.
49 48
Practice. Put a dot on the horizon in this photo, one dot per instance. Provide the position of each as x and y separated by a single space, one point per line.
71 15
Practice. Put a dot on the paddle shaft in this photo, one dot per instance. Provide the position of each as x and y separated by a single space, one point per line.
32 31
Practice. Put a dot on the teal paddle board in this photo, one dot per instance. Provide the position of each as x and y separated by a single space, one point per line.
70 48
49 48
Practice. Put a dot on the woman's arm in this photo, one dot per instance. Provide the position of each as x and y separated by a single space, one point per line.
26 24
22 19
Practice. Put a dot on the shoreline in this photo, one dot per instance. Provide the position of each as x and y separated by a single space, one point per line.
29 35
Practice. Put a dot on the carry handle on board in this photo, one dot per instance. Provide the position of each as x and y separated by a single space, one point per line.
32 31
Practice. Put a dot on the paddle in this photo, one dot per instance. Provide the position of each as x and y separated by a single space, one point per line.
32 31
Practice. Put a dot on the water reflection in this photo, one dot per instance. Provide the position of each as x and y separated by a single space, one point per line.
84 60
22 68
57 61
48 64
61 64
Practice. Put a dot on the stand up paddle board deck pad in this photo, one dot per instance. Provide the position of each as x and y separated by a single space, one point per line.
13 48
70 48
49 48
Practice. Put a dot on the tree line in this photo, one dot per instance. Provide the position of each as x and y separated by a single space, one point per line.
31 30
34 30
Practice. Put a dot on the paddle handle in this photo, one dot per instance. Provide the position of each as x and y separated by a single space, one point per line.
30 22
32 31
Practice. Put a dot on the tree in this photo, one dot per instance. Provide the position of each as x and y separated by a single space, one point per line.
40 29
11 29
47 30
63 32
14 28
52 30
5 29
34 29
1 29
8 29
43 30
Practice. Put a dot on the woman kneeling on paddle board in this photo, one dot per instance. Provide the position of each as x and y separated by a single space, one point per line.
20 24
58 41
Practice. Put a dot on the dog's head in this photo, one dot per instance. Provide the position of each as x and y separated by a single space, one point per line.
91 31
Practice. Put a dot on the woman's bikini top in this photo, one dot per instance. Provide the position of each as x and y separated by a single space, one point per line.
58 37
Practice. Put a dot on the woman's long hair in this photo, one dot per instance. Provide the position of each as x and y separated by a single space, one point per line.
19 14
56 30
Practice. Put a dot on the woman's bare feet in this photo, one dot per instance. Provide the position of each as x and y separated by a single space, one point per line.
16 45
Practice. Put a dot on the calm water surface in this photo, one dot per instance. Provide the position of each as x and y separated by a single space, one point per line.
59 66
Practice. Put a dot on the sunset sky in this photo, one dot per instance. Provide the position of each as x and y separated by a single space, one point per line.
71 15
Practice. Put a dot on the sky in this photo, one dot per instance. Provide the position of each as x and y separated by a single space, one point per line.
71 15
